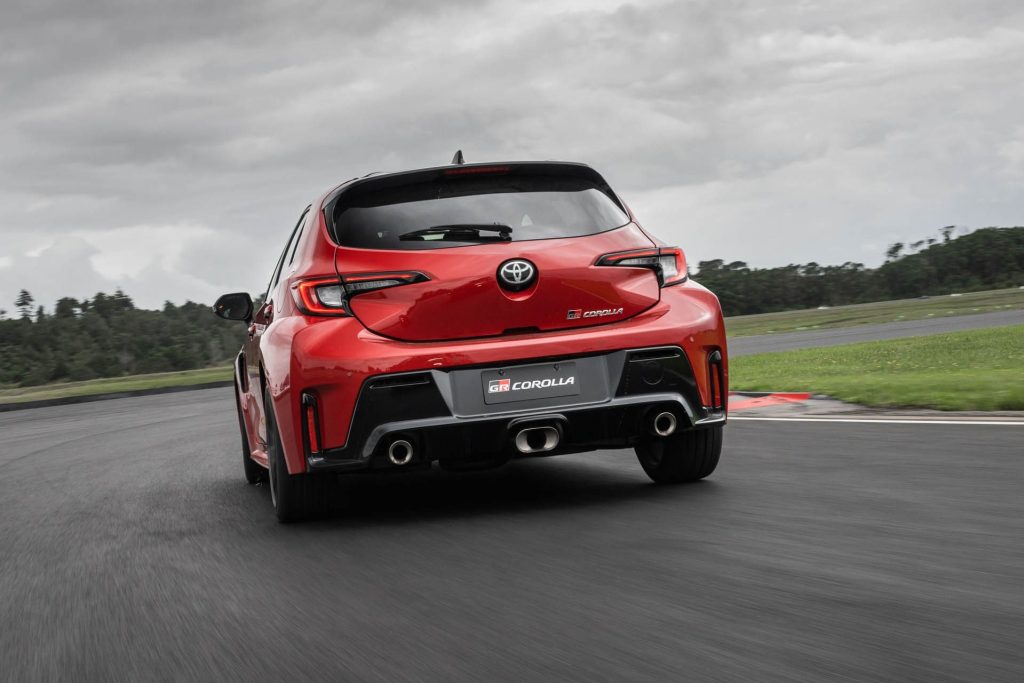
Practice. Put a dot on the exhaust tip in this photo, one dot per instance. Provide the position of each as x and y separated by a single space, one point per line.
537 439
664 424
400 452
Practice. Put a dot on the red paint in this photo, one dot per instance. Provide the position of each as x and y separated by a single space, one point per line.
462 298
458 316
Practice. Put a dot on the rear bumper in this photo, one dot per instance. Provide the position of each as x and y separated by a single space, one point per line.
443 416
335 359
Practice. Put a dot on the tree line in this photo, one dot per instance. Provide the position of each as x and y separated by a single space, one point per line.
989 258
108 336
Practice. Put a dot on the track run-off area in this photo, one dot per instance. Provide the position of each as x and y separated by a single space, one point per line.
846 547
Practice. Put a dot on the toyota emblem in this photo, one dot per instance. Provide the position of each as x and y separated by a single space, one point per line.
517 274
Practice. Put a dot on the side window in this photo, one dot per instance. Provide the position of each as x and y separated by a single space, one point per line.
298 237
273 278
280 262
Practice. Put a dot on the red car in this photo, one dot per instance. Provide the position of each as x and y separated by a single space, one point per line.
470 314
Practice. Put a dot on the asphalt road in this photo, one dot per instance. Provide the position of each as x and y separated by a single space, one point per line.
131 549
788 341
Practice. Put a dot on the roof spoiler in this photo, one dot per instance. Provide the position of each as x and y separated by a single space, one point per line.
555 169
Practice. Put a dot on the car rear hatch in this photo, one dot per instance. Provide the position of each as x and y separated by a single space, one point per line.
480 251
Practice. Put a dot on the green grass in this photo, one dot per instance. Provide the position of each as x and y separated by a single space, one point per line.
116 384
974 370
929 372
878 312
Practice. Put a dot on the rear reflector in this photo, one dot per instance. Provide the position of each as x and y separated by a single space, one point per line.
311 423
716 380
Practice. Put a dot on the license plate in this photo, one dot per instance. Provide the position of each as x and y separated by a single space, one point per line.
524 382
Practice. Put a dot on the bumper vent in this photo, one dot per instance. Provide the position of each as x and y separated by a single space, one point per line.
413 380
653 354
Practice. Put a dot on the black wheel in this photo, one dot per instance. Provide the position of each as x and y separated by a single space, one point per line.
684 456
295 496
254 473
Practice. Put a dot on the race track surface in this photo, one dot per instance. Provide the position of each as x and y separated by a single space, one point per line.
789 341
132 549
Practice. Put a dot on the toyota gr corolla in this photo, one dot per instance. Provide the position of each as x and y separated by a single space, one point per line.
468 315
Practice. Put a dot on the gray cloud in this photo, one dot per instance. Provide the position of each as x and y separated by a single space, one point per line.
168 147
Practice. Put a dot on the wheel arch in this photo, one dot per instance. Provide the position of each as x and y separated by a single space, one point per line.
275 377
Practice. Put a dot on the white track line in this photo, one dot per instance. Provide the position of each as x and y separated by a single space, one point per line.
878 420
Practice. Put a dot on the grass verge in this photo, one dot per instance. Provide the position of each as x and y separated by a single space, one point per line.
937 371
117 384
878 312
974 370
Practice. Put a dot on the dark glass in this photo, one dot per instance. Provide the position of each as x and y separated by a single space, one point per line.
534 207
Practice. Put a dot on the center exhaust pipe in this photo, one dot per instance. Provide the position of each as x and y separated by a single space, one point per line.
400 452
664 424
537 439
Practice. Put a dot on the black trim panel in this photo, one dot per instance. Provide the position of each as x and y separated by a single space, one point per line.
444 415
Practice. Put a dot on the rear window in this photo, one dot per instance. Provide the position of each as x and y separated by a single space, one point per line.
460 210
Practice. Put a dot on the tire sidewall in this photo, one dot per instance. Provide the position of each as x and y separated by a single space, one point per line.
683 457
273 452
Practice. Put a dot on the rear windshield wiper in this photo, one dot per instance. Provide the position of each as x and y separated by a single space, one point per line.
463 232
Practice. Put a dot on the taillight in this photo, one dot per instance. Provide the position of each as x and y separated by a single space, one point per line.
667 262
320 296
368 282
475 170
328 295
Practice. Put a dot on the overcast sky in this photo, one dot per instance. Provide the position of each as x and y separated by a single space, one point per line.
167 148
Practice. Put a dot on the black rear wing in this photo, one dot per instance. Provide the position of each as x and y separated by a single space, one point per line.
558 173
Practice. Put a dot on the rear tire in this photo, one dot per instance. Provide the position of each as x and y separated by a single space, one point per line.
254 473
296 497
684 456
